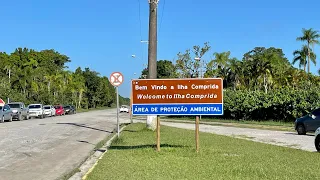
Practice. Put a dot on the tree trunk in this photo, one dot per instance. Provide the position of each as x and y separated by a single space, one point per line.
80 98
265 84
308 57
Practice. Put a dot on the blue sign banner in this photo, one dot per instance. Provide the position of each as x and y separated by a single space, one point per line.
177 109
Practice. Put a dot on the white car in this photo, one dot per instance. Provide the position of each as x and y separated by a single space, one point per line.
317 139
124 109
49 110
36 110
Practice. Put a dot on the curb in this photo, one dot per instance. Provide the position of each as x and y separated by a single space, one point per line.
87 166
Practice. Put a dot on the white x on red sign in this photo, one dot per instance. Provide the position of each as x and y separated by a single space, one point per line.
116 78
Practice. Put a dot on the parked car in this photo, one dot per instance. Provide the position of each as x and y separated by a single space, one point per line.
74 109
124 108
49 110
36 110
59 110
308 123
19 111
69 109
5 113
317 139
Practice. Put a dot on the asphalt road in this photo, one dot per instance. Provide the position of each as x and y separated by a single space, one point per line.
48 148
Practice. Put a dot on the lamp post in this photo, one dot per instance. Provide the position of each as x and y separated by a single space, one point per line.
200 64
131 96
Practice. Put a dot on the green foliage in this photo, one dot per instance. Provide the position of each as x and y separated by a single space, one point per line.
40 77
279 104
165 69
124 101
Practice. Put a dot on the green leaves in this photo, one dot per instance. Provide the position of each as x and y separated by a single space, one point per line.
279 104
39 77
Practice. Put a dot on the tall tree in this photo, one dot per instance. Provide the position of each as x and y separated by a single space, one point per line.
301 57
41 77
187 64
311 37
165 69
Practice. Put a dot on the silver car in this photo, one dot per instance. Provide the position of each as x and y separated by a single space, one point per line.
5 113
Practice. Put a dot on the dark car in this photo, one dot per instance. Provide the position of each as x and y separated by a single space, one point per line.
308 123
317 139
69 109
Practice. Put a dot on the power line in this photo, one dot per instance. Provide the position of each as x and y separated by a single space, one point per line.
164 2
140 20
141 48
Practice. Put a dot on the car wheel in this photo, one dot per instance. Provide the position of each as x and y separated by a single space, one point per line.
317 143
301 129
10 120
20 117
26 117
2 119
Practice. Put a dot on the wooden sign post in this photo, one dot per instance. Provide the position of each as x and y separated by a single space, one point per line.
193 97
197 133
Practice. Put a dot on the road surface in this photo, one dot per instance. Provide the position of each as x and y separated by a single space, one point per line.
48 148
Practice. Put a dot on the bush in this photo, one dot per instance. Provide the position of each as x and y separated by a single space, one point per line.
285 104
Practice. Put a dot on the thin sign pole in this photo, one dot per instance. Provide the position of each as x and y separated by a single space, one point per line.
197 133
130 109
158 133
118 112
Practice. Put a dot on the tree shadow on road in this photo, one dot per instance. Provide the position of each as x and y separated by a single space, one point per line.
85 142
145 146
84 126
292 133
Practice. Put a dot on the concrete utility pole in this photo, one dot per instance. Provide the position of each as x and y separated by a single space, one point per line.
152 52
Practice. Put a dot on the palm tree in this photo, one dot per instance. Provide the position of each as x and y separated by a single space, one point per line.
311 37
236 72
301 56
221 60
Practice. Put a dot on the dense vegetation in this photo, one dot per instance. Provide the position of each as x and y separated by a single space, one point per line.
263 85
41 77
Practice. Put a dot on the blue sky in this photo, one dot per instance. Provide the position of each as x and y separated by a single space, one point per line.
103 34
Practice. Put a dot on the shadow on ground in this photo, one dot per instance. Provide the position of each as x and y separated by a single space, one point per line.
84 126
85 142
145 146
298 134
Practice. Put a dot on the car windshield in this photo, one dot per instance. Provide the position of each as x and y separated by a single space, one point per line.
14 105
66 106
34 106
47 107
57 107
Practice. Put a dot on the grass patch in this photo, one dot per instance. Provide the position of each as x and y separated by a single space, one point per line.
220 157
205 119
268 125
245 136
